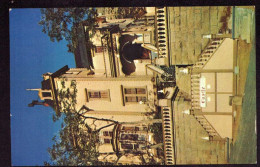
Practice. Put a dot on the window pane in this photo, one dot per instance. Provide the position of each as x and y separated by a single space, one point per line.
136 146
140 91
127 128
141 99
133 137
127 146
99 49
131 99
104 94
130 91
46 94
137 128
105 133
145 128
107 141
141 137
129 137
124 136
94 94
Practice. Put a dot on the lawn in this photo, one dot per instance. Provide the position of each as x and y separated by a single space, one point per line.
243 151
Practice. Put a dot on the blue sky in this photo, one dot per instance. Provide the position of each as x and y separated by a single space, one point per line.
31 55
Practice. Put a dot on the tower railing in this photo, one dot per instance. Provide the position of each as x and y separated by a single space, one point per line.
162 33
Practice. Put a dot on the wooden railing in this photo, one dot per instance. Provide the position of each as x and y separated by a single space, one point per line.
210 49
207 126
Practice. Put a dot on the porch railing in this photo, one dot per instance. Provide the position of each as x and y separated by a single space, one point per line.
168 135
207 53
195 85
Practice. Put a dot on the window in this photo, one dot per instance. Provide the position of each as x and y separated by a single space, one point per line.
147 38
137 129
130 128
136 146
127 146
107 133
99 49
129 136
97 95
106 137
141 137
107 141
46 94
134 95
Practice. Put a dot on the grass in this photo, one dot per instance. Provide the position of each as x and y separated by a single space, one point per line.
243 151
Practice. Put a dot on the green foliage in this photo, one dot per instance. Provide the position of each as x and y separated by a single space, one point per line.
75 145
127 12
156 128
66 100
62 23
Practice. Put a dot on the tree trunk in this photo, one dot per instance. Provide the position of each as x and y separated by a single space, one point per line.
156 145
104 127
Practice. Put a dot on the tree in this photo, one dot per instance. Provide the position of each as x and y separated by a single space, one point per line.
129 12
77 142
75 145
62 23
